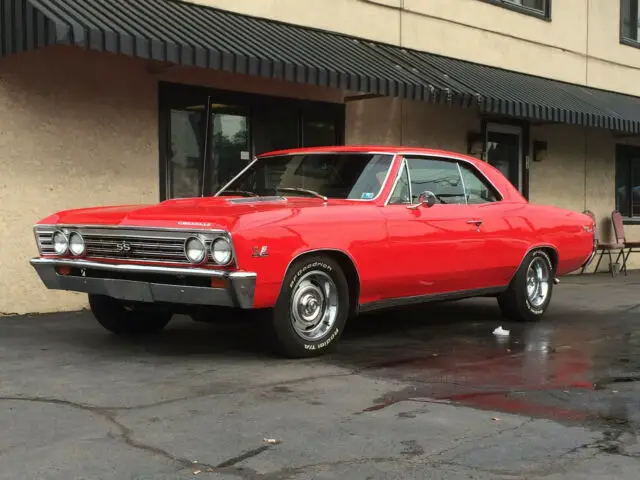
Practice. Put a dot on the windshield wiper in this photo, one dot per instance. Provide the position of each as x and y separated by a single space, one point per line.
241 192
302 190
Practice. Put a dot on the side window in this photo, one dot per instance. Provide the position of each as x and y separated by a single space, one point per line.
478 190
401 194
441 177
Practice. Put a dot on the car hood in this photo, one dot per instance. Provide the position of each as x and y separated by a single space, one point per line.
212 212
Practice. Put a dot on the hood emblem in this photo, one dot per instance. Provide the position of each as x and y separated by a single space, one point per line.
260 251
195 224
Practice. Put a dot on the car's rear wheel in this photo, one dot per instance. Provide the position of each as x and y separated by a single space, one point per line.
312 308
529 294
124 318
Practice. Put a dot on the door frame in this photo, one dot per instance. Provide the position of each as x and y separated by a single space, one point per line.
170 94
511 126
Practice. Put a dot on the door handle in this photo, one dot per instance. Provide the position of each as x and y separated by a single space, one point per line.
475 222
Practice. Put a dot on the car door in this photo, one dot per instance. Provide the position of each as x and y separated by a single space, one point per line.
432 249
502 248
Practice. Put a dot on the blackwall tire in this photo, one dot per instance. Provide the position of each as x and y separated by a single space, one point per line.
120 319
520 302
312 309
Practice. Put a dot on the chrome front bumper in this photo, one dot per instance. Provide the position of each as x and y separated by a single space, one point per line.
239 291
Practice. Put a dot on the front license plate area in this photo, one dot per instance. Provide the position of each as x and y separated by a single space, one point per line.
132 291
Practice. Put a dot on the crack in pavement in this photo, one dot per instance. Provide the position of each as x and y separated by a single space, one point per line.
203 394
125 434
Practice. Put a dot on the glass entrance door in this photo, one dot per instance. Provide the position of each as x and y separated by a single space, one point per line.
209 136
504 151
228 149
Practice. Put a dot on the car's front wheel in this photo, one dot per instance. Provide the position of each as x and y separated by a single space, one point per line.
122 318
529 293
312 308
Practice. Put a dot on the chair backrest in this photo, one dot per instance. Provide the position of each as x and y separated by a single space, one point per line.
595 223
618 226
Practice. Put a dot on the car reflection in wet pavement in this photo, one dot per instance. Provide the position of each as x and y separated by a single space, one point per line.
574 366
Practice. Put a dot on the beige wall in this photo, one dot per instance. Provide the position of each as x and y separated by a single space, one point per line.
580 44
57 138
79 129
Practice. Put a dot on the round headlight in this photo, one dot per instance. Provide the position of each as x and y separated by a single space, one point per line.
195 250
76 244
221 251
60 243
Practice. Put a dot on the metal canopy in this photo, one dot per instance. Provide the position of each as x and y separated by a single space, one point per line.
193 35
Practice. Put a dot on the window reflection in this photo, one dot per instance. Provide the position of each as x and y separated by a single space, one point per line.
185 153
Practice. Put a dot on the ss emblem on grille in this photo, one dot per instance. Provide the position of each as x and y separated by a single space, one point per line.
123 247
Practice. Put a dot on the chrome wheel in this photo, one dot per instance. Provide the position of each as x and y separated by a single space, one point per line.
538 282
314 305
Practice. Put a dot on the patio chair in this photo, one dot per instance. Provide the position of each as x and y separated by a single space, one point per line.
607 247
632 247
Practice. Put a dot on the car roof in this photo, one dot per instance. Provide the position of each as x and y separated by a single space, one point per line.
390 149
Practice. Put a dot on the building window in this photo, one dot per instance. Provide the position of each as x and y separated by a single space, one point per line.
535 8
630 21
208 136
628 181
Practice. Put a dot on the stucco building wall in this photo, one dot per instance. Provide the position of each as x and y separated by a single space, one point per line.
80 129
580 45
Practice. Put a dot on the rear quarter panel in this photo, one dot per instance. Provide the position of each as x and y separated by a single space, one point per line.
357 231
564 230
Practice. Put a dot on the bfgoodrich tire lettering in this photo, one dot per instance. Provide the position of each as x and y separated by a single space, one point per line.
123 319
312 308
530 291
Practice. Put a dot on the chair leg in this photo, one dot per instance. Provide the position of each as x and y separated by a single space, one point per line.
613 270
621 254
624 261
599 260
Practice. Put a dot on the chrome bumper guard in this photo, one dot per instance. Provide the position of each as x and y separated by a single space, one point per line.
239 292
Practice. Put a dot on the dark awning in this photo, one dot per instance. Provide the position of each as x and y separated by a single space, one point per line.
191 35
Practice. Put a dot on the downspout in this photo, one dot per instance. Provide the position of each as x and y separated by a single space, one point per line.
586 82
402 100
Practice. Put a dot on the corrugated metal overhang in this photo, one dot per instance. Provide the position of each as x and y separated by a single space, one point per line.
192 35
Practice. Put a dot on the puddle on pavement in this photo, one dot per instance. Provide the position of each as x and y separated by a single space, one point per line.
566 369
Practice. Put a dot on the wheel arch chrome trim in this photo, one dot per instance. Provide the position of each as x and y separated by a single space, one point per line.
537 247
320 250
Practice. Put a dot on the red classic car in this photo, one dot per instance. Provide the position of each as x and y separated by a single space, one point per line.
309 237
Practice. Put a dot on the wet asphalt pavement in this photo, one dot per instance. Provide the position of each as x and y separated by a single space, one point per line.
420 393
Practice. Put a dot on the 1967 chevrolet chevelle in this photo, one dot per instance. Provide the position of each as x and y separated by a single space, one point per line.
307 238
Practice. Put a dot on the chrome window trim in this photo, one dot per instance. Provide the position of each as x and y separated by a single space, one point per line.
378 195
427 156
464 187
401 170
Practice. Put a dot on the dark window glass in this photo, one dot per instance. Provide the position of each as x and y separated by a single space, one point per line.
628 181
186 145
535 7
477 188
317 132
229 150
630 19
345 176
539 5
440 177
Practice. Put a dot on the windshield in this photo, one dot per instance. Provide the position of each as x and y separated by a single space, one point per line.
353 176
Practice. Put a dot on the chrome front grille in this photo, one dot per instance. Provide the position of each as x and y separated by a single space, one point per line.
124 243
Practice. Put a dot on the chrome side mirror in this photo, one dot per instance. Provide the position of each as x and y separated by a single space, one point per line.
426 199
